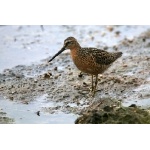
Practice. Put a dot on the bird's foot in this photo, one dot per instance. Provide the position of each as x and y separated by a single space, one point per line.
92 92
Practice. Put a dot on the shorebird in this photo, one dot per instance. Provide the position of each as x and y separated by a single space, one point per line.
89 60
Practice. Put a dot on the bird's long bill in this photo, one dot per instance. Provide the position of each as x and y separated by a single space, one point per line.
63 48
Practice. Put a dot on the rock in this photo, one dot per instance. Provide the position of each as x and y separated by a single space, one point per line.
110 28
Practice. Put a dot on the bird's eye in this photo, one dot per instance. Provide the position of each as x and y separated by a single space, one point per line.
69 42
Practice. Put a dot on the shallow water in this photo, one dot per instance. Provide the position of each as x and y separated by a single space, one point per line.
26 113
144 103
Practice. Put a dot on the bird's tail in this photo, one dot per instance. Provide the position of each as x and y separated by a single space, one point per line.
117 55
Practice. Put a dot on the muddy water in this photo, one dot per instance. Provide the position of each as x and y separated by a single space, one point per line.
55 91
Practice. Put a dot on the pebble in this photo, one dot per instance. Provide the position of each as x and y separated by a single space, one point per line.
125 65
38 113
103 34
117 33
110 28
55 68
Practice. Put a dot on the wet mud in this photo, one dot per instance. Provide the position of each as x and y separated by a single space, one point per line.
126 81
4 119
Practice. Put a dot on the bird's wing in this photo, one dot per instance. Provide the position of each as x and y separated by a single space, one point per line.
102 57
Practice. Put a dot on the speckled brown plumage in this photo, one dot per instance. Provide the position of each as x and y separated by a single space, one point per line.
89 60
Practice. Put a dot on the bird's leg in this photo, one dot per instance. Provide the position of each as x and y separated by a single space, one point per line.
92 84
96 81
92 87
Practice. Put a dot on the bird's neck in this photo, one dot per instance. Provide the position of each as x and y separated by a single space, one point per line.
74 51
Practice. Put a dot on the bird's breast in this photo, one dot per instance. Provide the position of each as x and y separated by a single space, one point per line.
85 64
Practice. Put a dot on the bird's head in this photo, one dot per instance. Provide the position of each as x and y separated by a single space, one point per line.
69 43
